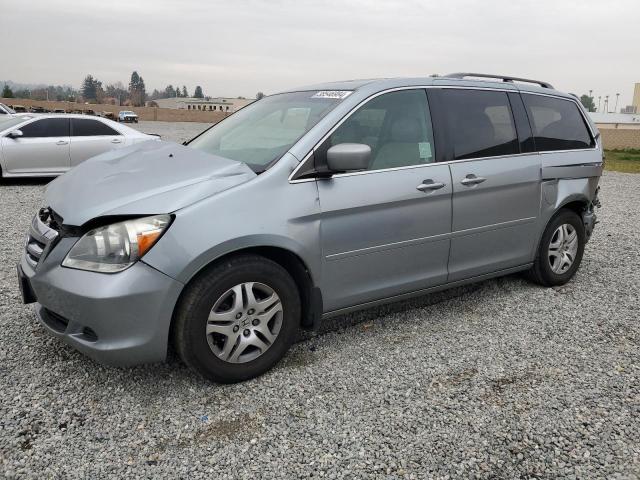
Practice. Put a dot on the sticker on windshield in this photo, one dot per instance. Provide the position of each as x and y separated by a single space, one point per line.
425 149
337 94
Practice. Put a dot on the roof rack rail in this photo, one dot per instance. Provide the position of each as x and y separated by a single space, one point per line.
504 78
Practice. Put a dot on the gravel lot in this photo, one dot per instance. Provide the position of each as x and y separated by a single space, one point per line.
500 380
174 131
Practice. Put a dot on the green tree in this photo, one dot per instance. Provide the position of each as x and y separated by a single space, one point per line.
259 95
198 92
588 103
137 92
89 88
185 94
7 92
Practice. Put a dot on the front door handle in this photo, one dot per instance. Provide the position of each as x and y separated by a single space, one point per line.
471 180
116 140
61 142
428 185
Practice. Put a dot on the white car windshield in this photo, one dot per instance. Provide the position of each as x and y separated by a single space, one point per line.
7 123
7 108
260 133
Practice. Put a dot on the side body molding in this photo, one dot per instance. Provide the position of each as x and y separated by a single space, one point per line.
571 171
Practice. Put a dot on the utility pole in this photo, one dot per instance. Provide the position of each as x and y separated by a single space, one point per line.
616 109
606 103
599 97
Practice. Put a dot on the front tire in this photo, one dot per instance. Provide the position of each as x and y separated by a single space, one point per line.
237 320
560 250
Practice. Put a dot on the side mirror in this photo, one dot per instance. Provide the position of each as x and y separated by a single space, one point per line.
15 134
347 157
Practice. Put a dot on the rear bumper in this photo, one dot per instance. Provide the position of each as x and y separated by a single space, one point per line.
120 319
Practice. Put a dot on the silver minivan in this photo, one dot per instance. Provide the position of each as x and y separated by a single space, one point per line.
309 204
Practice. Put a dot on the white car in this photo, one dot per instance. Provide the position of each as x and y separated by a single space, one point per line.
50 144
6 110
127 116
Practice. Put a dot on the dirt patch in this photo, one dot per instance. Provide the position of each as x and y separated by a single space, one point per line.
244 427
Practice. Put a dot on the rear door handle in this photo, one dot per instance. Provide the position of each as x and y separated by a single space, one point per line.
428 185
116 140
61 142
471 180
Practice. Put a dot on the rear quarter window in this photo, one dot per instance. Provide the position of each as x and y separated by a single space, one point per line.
557 124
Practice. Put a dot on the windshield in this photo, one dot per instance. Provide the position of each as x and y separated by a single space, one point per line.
260 133
7 123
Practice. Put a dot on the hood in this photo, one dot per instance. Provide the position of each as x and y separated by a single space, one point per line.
145 179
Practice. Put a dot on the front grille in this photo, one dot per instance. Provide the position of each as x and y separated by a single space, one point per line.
44 230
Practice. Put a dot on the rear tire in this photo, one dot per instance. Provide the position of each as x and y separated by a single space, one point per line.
238 319
560 250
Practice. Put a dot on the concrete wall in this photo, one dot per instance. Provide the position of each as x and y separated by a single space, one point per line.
618 126
620 138
144 113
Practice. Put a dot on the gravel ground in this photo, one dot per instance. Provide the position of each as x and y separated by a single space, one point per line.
500 380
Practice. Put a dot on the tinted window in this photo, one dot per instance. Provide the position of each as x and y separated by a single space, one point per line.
397 127
480 123
84 127
557 124
47 127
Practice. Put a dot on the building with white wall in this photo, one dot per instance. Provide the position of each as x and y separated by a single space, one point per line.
219 104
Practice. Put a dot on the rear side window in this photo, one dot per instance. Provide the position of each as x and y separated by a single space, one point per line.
84 127
397 127
47 127
557 124
480 123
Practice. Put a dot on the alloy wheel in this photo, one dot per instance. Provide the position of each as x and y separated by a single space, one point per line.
244 322
563 248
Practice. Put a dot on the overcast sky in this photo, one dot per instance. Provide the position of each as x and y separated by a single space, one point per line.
239 47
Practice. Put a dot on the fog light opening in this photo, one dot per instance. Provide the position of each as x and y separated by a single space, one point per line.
89 335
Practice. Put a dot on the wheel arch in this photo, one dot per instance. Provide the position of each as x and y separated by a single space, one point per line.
310 293
576 202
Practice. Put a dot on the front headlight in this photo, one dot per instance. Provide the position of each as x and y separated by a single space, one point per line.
115 247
